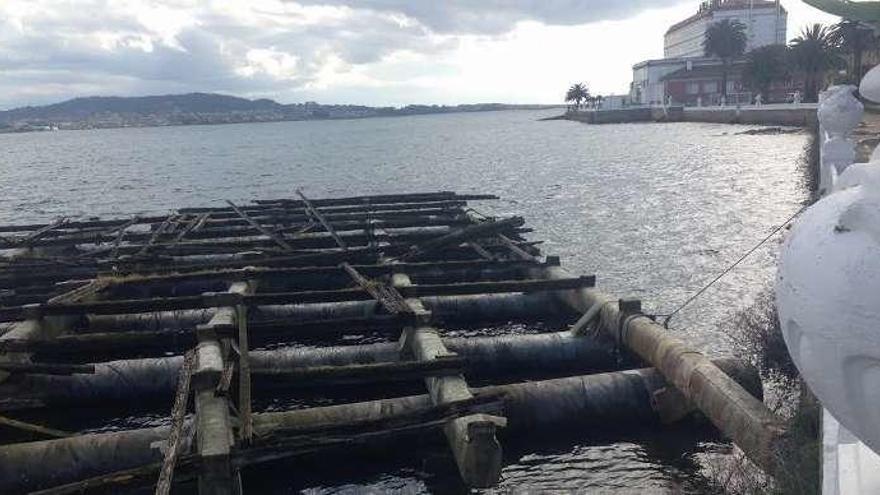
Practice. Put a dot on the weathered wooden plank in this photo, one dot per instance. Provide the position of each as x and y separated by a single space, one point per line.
317 214
32 428
143 250
461 235
26 241
472 439
246 431
266 232
47 368
178 413
365 373
11 313
390 299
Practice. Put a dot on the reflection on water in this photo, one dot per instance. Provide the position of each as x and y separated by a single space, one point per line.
654 210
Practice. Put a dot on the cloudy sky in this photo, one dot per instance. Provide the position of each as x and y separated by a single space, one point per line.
376 52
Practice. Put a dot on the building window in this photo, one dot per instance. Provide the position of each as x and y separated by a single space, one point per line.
710 87
731 86
692 88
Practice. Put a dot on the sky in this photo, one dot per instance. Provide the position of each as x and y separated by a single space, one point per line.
373 52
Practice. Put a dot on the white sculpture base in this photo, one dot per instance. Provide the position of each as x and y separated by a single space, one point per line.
848 465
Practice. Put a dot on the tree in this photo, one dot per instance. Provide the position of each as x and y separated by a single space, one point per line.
577 93
726 40
854 38
766 64
813 53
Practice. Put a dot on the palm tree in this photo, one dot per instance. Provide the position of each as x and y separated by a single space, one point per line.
766 64
726 40
577 93
853 37
814 54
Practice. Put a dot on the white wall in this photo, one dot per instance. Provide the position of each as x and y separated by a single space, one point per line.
761 27
646 76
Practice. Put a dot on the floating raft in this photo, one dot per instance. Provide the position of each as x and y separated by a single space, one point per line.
210 306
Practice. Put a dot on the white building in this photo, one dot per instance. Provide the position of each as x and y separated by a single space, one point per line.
765 23
647 86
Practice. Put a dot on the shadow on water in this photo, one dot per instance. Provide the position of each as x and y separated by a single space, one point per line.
566 459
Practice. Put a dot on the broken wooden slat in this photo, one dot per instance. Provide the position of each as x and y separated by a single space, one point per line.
178 413
516 250
193 225
480 250
458 236
41 232
315 213
114 253
268 233
390 299
155 236
246 431
32 428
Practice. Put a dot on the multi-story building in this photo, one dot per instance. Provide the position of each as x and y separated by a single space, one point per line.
684 57
765 23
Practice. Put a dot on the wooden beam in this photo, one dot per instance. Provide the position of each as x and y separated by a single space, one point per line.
472 439
26 241
154 237
458 236
178 413
365 373
32 428
266 232
124 306
246 430
516 250
390 299
48 368
315 213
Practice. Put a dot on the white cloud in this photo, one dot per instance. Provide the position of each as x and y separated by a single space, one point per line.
349 51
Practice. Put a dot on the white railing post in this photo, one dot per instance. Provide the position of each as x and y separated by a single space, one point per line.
839 113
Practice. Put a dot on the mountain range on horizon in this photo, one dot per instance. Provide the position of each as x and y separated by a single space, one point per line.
202 108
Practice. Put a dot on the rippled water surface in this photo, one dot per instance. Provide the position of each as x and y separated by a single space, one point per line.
654 210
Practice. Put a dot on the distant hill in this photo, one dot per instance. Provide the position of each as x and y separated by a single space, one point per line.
200 108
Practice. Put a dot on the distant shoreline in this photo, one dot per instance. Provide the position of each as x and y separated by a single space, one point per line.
207 109
267 121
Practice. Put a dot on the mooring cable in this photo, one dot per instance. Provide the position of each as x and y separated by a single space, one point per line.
731 267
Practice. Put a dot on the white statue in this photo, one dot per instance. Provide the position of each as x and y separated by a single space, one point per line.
839 113
758 99
828 284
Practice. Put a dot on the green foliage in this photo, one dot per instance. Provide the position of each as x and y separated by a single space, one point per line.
814 53
577 93
765 65
725 39
857 11
853 38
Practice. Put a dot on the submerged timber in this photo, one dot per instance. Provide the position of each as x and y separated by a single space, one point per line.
210 306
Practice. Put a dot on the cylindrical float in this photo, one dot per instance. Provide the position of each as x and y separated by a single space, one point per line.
617 398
